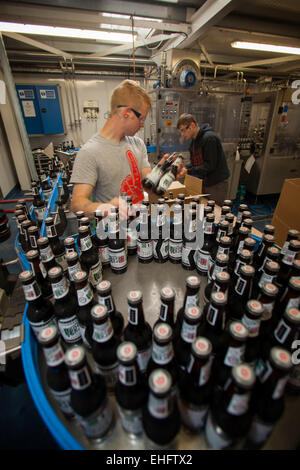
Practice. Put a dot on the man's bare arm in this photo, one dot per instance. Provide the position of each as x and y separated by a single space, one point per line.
81 201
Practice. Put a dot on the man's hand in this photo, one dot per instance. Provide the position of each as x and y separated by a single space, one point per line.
181 172
115 202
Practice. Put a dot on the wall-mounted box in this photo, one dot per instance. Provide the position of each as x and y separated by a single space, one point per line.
40 108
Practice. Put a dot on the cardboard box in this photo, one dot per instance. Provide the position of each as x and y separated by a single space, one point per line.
192 187
287 212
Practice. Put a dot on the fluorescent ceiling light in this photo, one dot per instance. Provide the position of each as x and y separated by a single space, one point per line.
255 46
65 32
127 17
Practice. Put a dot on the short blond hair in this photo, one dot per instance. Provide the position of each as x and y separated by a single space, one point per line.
129 93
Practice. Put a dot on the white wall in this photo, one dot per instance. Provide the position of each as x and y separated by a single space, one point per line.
87 89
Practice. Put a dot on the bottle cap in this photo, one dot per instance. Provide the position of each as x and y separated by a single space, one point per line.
69 241
238 331
210 217
134 296
229 216
294 245
33 229
225 240
47 335
31 254
160 381
211 202
272 266
249 242
193 313
26 276
42 241
273 250
126 352
281 358
193 281
99 312
201 347
222 277
243 375
269 238
293 315
244 230
103 287
255 308
248 221
79 214
163 332
83 229
224 223
294 282
245 254
269 229
222 258
293 233
71 256
218 298
248 270
167 293
296 263
270 289
80 276
54 272
74 356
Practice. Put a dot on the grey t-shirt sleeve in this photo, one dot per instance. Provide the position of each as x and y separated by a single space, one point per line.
144 156
84 168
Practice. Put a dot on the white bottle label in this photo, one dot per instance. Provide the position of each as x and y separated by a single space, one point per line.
133 315
145 249
234 356
69 329
107 301
61 260
188 332
162 354
80 379
282 331
158 407
265 278
117 258
73 270
86 243
104 254
238 404
202 261
54 355
127 375
84 295
212 314
143 358
175 249
240 286
191 301
32 291
60 288
95 273
46 253
37 327
164 249
252 325
103 332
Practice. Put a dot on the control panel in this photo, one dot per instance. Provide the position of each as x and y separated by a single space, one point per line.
168 112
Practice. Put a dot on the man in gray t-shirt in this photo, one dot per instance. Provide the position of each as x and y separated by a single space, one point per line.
114 161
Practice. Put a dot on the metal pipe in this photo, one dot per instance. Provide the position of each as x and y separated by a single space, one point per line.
17 110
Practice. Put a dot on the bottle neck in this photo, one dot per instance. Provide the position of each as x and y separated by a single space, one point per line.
243 287
199 370
32 291
285 333
128 374
167 312
51 232
235 352
215 316
60 288
81 379
162 354
160 407
46 254
191 297
86 244
108 301
54 355
136 314
102 332
84 294
236 399
272 380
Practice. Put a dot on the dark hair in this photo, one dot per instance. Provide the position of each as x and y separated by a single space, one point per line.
186 119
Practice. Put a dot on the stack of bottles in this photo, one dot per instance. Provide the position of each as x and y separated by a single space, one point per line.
222 369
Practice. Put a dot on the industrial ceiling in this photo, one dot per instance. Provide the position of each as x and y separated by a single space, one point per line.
205 27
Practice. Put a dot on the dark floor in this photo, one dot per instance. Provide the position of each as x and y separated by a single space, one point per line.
21 426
